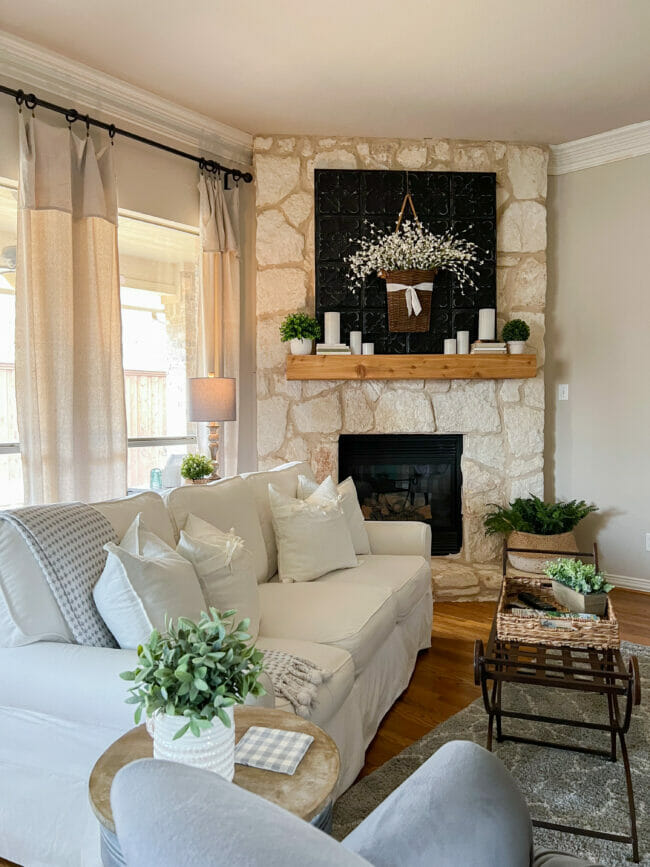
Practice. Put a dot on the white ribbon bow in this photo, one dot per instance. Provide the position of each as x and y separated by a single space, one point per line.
413 304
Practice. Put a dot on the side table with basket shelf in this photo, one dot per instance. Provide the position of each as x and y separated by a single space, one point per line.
584 658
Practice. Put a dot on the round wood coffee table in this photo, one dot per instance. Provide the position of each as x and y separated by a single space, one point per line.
307 794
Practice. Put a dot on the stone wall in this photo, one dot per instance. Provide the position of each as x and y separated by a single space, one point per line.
503 421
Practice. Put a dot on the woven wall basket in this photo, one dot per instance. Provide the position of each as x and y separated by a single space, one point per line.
403 302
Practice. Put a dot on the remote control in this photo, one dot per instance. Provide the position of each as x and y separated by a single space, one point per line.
534 602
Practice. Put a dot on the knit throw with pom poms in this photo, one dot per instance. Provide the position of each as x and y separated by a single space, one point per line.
295 679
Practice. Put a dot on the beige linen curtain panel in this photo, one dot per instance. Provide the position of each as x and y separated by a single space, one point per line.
219 308
69 377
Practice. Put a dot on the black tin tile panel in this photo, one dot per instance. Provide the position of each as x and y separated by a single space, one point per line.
458 200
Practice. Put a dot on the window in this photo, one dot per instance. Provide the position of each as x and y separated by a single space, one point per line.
159 299
11 476
158 274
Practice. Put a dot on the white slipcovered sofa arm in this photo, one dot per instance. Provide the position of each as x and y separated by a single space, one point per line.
68 681
399 537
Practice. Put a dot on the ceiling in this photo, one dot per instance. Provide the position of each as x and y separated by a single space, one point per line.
529 70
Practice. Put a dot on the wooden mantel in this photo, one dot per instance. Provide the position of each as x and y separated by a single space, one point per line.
411 366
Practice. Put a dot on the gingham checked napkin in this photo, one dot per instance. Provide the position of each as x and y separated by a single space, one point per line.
272 749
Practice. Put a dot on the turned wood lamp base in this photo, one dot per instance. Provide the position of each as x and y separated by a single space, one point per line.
213 443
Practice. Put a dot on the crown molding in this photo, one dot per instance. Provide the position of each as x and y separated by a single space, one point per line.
116 101
597 150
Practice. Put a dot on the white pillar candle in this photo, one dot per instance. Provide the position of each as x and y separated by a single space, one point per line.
450 346
368 349
355 342
486 323
462 342
332 328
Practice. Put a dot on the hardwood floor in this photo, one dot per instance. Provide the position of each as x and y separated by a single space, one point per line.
443 681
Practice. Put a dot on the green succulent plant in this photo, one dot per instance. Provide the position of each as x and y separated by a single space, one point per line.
532 515
516 329
299 325
196 671
581 577
196 467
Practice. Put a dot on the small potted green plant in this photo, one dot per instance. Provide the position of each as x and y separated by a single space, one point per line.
578 587
187 682
300 330
516 333
196 469
532 523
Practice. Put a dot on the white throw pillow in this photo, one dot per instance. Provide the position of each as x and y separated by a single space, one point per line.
312 536
349 500
226 570
144 580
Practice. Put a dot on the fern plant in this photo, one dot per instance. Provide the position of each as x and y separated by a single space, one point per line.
532 515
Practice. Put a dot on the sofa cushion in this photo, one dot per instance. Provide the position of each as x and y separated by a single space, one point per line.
144 582
28 609
312 535
407 577
225 504
285 479
330 694
355 618
347 493
224 568
121 513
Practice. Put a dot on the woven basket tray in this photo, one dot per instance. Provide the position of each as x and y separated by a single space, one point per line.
602 634
398 317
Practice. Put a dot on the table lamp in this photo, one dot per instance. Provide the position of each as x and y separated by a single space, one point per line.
213 399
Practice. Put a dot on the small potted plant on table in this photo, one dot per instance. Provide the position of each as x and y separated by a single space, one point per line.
187 682
532 523
196 469
578 587
300 330
516 333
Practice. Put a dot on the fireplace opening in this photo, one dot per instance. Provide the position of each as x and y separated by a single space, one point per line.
408 477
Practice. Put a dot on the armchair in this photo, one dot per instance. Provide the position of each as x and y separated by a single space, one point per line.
460 807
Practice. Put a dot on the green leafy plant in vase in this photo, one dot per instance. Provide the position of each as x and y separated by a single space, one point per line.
578 586
516 333
300 330
187 682
531 523
196 469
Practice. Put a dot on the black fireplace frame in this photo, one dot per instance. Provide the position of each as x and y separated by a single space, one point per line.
421 449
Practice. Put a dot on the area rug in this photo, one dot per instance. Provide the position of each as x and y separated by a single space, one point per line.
559 786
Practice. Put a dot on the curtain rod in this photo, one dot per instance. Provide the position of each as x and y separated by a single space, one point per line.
71 115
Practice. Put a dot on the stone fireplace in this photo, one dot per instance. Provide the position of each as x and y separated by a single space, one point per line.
501 421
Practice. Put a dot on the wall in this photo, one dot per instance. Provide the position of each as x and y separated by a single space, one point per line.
503 422
598 316
161 185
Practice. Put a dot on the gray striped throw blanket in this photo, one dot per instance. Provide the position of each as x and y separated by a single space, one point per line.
68 541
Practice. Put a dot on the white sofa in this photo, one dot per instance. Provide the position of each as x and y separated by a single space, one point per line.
62 704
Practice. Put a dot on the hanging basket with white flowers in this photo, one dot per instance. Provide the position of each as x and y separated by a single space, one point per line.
409 259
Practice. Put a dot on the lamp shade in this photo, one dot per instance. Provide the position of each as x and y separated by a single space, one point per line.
213 398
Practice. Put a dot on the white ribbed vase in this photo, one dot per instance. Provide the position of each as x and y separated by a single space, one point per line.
213 750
